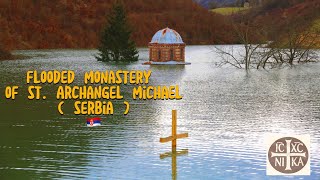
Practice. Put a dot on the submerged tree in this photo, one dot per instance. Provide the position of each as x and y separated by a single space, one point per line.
294 44
249 36
116 43
298 43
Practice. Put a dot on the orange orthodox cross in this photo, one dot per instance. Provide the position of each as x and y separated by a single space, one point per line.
174 153
174 135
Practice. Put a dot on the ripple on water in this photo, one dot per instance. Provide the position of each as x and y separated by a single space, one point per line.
227 113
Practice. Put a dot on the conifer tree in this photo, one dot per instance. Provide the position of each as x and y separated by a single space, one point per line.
116 43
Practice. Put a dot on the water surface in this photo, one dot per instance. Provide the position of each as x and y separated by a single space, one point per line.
227 113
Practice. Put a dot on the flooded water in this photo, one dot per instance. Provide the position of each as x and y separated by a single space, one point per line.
227 113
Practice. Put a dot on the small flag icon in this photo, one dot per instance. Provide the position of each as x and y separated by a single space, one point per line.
93 122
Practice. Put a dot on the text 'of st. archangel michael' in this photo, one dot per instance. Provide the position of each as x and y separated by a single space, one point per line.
99 91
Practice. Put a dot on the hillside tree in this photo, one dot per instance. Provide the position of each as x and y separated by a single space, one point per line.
116 43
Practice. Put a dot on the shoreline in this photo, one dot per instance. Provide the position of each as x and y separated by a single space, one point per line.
14 57
17 55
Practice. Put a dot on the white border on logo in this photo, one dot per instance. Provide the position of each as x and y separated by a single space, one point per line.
271 138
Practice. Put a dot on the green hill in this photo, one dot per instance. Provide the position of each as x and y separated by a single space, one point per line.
229 10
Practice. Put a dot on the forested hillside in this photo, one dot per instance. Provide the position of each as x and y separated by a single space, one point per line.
34 24
278 17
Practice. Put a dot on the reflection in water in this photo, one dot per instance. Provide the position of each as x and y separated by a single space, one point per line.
227 111
173 154
173 138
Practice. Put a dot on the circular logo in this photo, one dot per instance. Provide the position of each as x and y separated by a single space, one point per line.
288 155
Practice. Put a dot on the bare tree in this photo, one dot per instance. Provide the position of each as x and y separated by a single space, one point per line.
246 32
294 45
